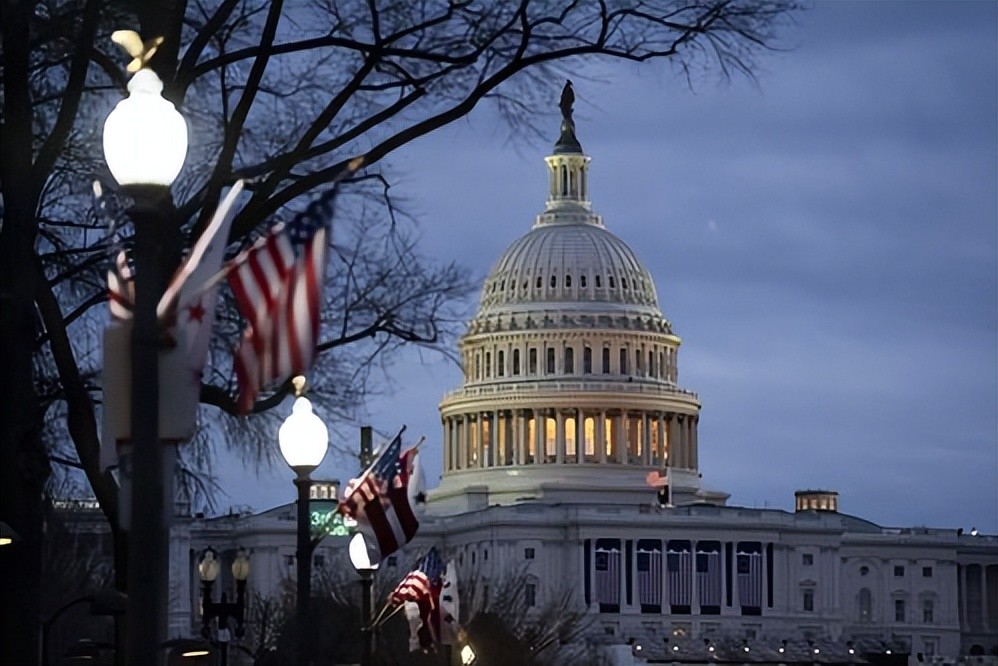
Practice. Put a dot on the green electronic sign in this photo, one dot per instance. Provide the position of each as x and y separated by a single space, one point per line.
327 521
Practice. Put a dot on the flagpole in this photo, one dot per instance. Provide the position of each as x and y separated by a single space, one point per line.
394 612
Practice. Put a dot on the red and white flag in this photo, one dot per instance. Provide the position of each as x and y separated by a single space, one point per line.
277 283
379 499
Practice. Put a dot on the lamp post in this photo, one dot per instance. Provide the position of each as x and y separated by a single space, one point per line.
145 143
303 438
361 560
224 610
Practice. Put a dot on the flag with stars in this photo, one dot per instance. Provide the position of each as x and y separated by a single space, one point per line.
379 499
277 283
422 587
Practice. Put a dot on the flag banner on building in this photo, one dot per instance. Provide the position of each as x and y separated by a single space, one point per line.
277 283
708 569
649 565
422 587
750 579
379 499
679 564
450 609
607 567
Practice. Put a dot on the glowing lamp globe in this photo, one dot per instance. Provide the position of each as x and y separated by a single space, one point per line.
303 438
145 137
208 566
241 565
360 556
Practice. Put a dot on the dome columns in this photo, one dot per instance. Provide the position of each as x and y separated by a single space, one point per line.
568 176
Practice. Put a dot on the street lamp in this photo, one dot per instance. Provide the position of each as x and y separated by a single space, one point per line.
145 143
224 610
361 560
303 438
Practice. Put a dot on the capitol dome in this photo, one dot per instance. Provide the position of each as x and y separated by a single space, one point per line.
570 368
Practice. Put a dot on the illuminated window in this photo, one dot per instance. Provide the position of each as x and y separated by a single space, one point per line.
531 439
589 433
571 452
609 441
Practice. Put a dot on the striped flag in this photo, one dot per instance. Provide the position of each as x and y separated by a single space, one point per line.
422 587
679 563
379 499
649 574
709 577
277 283
121 287
750 579
608 575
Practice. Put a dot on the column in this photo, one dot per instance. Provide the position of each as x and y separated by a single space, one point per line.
445 424
601 435
694 442
646 456
464 436
694 587
736 601
559 436
765 579
540 426
675 440
962 582
580 436
620 436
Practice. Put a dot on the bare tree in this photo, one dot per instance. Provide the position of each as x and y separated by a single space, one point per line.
283 94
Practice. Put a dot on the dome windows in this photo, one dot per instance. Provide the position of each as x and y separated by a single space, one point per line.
539 283
598 285
613 283
582 281
554 282
568 282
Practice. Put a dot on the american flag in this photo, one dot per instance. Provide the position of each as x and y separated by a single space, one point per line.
750 579
607 575
379 498
650 575
680 573
709 577
121 287
422 586
277 283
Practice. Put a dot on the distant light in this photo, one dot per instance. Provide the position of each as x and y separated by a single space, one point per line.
675 648
6 541
851 651
195 653
817 651
746 648
888 652
710 649
637 648
467 655
782 650
973 531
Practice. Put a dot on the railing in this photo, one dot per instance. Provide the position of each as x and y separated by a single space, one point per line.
541 386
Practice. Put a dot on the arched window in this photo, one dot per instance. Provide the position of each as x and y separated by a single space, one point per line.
623 361
532 361
598 285
571 432
623 283
538 281
865 605
554 282
516 361
613 283
488 364
550 361
501 364
587 360
550 439
564 180
569 360
589 441
606 360
568 281
582 281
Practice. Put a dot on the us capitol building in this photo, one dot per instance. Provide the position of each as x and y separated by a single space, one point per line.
570 398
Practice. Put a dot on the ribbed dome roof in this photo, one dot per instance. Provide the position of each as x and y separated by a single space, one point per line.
575 264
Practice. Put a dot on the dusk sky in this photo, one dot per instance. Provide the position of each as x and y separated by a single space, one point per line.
825 243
